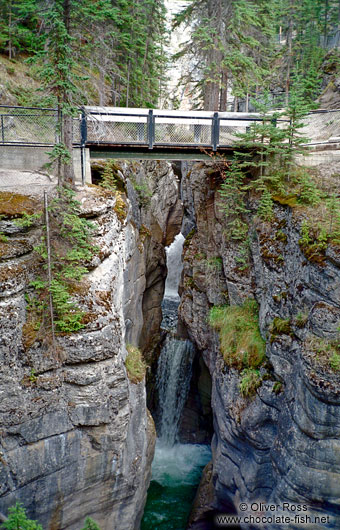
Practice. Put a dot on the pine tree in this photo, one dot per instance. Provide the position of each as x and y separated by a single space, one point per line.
17 520
90 524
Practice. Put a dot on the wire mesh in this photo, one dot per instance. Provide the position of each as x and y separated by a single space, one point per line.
117 132
321 126
31 126
228 132
174 133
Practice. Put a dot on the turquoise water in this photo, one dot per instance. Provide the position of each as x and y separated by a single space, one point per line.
176 472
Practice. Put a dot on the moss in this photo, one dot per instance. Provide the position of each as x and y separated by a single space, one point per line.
120 208
326 352
281 236
135 365
301 319
189 237
14 205
277 387
241 343
280 326
286 200
30 332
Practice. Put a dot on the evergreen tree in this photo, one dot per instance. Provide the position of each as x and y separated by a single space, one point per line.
90 524
230 45
17 520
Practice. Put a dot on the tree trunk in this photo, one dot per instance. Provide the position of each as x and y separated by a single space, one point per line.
325 30
289 54
224 91
68 169
10 51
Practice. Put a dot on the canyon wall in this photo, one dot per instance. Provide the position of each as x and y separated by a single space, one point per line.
282 444
76 438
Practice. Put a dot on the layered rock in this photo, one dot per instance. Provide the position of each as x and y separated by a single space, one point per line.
281 445
76 438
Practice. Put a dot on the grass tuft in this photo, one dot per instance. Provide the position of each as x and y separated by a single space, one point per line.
135 364
241 343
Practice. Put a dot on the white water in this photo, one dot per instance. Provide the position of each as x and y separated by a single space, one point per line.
180 463
175 266
173 380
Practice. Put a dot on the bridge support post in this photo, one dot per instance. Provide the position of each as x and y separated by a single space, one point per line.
215 131
151 129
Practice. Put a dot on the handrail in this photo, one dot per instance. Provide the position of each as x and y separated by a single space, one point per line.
128 126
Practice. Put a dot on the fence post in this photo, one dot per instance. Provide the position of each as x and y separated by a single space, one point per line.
2 130
151 129
215 131
83 139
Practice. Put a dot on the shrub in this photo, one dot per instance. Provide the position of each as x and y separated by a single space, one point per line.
135 364
241 343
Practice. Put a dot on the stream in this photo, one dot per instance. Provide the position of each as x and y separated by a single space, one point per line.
177 467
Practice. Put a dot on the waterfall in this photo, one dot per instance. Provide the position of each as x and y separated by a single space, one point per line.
173 380
175 266
177 467
175 361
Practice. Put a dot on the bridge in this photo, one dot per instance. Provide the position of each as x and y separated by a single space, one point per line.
116 132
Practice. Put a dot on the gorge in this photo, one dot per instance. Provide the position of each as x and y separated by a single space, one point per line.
73 424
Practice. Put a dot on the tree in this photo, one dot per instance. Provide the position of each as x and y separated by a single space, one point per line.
17 520
230 47
90 524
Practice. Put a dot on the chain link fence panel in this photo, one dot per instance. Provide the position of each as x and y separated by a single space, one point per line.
190 134
28 126
118 132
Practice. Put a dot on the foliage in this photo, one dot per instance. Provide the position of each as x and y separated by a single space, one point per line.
241 343
135 364
326 352
233 194
313 242
250 46
251 380
120 45
17 520
301 319
90 524
71 250
280 326
27 220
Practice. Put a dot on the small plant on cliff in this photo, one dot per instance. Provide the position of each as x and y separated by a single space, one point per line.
51 308
326 352
17 520
90 524
250 380
241 343
135 364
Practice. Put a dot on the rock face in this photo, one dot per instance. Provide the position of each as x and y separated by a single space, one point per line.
76 438
283 444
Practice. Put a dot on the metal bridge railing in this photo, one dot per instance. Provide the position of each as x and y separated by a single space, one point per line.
115 126
28 125
119 126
